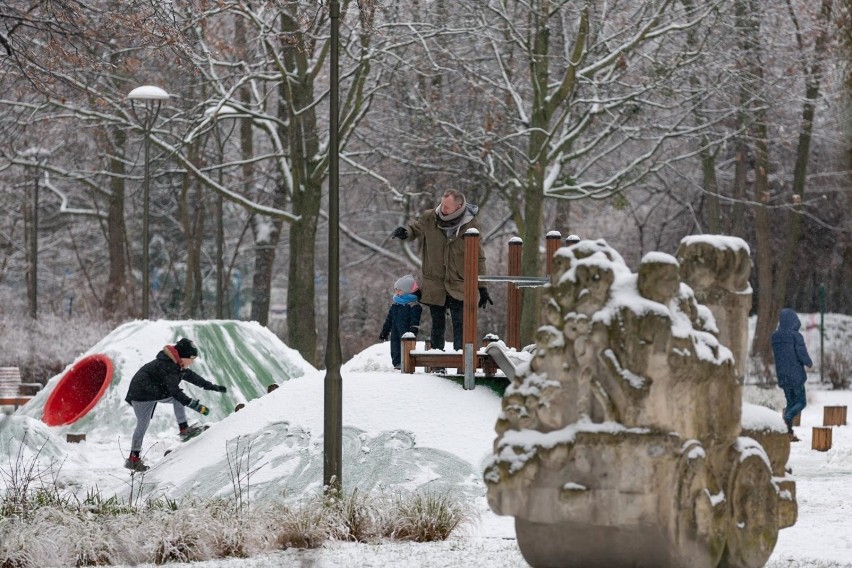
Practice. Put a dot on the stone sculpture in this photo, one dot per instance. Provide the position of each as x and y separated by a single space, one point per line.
620 442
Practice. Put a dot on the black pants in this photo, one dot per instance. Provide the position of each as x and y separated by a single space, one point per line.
439 323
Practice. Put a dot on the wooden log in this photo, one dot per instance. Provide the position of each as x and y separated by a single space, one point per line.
834 416
821 440
75 438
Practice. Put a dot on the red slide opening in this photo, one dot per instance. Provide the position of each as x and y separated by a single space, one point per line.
78 390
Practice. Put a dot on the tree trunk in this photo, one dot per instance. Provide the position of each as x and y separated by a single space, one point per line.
740 195
767 312
812 74
267 233
301 288
295 109
116 297
191 212
540 117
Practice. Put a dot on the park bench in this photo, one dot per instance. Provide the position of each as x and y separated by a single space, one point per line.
12 389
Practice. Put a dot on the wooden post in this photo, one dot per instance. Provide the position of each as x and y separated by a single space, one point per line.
553 241
513 297
407 359
471 285
821 440
834 416
489 367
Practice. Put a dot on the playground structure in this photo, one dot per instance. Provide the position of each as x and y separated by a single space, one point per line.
473 356
620 443
88 397
78 390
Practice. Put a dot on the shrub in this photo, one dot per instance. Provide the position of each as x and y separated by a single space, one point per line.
353 517
837 369
184 535
307 526
425 517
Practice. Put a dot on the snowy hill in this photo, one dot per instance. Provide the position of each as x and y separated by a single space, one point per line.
244 356
400 432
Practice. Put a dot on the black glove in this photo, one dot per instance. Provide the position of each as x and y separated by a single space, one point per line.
484 298
400 233
219 388
383 336
414 329
198 407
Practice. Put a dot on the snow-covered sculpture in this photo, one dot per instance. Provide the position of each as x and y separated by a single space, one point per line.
620 442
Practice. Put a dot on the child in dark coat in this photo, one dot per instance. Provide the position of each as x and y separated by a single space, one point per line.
403 316
791 358
159 381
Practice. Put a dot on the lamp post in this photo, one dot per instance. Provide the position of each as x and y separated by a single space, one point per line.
151 99
333 399
217 112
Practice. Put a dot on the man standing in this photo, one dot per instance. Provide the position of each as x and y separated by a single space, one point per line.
442 232
159 381
791 358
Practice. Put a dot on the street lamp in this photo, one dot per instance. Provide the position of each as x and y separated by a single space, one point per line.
217 112
151 99
333 400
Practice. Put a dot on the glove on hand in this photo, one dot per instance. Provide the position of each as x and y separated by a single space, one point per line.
484 298
400 233
198 407
414 329
383 336
219 388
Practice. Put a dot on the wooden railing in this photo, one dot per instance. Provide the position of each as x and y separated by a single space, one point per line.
472 358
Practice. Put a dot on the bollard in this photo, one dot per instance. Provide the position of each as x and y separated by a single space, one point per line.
834 416
821 440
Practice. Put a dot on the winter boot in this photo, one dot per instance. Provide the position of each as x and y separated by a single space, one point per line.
190 431
793 437
135 463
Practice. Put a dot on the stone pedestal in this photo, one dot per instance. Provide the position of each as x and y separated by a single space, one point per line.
620 442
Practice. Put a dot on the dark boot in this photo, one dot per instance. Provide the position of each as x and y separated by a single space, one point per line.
135 463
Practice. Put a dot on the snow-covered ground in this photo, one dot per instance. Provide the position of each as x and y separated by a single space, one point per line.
402 431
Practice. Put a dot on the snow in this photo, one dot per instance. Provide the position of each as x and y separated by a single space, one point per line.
721 242
400 431
148 92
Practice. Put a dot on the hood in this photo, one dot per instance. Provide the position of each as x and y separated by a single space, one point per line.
789 320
